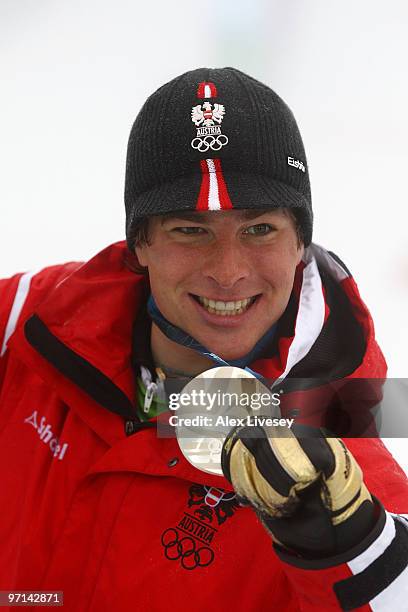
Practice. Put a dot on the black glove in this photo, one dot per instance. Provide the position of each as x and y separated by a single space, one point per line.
307 489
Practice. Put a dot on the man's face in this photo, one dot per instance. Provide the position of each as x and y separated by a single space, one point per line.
223 277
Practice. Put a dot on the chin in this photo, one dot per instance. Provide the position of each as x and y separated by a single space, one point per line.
230 355
230 349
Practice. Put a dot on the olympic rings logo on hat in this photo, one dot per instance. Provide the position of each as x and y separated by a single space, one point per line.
185 549
209 142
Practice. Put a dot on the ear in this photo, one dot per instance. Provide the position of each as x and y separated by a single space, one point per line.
140 252
300 254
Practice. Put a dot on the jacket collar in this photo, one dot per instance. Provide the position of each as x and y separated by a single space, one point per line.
83 331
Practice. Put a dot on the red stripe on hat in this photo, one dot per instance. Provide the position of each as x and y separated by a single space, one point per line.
200 90
202 93
202 201
222 188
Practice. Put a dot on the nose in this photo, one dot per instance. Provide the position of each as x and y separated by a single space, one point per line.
226 263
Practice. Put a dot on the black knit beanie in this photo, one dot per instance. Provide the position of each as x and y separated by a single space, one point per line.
215 139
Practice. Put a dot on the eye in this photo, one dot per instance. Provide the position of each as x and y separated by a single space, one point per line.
189 230
261 229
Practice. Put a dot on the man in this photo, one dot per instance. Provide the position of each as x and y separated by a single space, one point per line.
94 503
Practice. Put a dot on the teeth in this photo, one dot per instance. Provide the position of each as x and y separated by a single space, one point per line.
225 308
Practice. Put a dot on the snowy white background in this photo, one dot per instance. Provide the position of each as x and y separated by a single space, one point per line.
74 73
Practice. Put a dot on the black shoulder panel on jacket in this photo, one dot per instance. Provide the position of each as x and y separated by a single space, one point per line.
341 345
91 380
340 262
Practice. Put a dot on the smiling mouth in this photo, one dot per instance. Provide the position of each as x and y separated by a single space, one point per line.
225 309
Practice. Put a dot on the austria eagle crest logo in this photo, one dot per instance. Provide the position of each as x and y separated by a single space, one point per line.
207 118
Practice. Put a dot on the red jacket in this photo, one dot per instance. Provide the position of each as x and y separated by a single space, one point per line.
123 522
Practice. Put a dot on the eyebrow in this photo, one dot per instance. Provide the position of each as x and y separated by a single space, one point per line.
204 217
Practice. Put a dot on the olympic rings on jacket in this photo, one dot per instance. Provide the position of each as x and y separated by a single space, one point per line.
185 549
209 142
